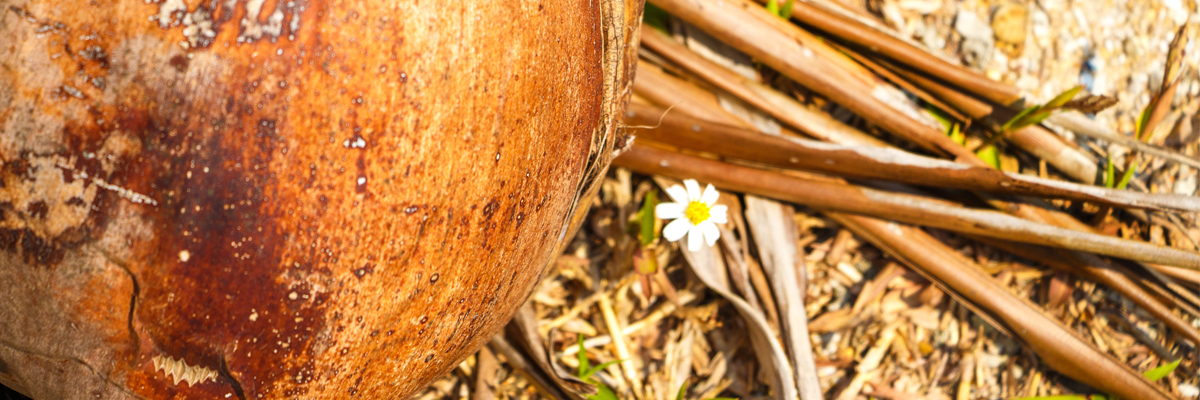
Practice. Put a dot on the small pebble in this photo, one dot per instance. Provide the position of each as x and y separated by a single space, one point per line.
978 42
1188 391
1010 22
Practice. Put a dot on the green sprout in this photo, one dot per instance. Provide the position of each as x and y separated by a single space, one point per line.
1088 104
784 12
1110 175
644 258
646 219
586 371
1037 113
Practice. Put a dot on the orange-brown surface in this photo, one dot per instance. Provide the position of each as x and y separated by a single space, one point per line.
272 199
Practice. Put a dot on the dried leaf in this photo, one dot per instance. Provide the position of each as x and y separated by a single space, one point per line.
707 266
774 234
1090 104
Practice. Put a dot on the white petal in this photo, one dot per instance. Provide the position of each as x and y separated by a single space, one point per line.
678 193
693 189
668 210
710 195
676 229
711 233
695 238
719 214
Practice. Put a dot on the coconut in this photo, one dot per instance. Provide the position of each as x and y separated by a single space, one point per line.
288 199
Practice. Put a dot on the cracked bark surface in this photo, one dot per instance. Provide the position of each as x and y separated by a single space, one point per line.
85 321
266 199
73 379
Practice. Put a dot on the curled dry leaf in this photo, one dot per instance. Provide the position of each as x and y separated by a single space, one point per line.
1090 104
707 264
775 235
522 331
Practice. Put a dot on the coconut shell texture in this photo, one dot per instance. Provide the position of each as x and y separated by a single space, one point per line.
287 199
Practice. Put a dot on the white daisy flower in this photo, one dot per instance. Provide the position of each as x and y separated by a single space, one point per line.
695 214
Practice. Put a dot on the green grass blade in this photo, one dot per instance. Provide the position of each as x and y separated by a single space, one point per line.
939 115
1034 119
990 156
1142 120
1110 173
957 135
583 360
1062 98
772 7
603 393
1126 176
1008 126
646 219
597 368
1162 371
786 11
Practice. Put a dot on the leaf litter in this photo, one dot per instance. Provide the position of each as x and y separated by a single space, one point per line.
796 302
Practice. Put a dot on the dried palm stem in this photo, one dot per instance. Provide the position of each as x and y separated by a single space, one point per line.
1078 123
1100 271
1034 139
869 162
842 197
783 108
1057 345
695 102
871 39
741 28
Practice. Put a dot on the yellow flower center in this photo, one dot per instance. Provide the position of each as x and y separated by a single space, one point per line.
697 212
